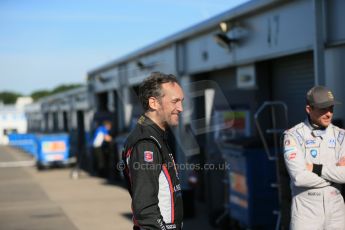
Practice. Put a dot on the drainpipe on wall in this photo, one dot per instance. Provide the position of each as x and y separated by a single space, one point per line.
319 47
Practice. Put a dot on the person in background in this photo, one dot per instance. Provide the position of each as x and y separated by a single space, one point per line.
314 155
101 147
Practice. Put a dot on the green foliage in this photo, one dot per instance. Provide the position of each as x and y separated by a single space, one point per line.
39 94
8 97
59 89
62 88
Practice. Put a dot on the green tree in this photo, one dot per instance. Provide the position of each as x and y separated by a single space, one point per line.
39 94
59 89
62 88
8 97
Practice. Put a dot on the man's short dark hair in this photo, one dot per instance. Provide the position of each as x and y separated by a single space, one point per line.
152 87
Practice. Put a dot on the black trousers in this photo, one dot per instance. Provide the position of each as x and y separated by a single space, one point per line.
100 161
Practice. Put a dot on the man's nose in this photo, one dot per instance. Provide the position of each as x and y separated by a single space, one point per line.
329 113
179 107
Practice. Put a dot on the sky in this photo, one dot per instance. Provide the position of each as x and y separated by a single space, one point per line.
46 43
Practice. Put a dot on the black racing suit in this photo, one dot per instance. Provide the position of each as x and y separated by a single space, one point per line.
152 178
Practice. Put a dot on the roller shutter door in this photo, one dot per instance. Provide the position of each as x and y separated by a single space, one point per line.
292 77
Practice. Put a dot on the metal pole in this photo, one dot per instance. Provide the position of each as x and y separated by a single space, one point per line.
319 48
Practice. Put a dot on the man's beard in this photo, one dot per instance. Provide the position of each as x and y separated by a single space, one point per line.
316 126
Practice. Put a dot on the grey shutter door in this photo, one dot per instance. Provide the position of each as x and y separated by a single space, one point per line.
293 76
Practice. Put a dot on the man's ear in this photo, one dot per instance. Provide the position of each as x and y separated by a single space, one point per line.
308 109
153 103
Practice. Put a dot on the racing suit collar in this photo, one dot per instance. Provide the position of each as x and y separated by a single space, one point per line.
146 121
316 131
314 126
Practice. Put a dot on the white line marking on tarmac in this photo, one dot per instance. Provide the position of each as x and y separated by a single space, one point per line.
13 164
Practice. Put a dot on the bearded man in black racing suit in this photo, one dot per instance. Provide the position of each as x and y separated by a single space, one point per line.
150 169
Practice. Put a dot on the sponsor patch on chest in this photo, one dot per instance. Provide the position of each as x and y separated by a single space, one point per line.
331 143
313 153
310 143
148 156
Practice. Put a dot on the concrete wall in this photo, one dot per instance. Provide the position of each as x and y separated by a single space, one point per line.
335 77
335 21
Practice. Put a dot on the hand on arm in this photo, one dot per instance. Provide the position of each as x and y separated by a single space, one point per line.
309 167
341 162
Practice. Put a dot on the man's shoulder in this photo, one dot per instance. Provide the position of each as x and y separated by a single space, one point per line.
141 135
295 128
98 128
295 134
133 136
146 150
339 133
337 128
101 129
